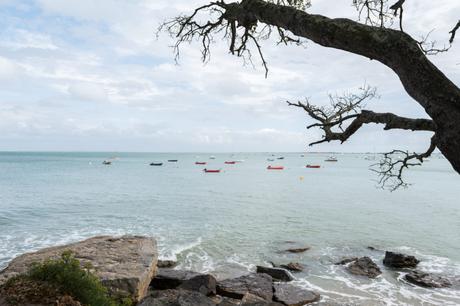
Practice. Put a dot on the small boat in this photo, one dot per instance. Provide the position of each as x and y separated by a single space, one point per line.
107 162
200 163
156 164
212 157
332 159
211 170
275 168
172 161
313 166
270 159
280 158
230 162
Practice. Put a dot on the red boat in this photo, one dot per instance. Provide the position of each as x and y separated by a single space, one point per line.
230 162
314 166
211 171
275 168
200 163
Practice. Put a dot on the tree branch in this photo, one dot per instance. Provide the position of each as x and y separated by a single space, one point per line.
453 32
391 168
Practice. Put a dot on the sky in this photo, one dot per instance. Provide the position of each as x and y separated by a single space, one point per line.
85 75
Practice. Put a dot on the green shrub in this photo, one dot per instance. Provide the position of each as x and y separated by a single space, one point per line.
68 276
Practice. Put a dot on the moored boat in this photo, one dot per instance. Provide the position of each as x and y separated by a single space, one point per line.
172 161
156 164
230 162
331 159
313 166
211 170
275 168
200 163
107 162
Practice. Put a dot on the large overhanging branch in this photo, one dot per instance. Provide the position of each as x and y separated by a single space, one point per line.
240 23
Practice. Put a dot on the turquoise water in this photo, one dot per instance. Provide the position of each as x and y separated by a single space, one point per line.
226 223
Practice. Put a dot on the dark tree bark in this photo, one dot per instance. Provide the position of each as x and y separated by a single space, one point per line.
423 81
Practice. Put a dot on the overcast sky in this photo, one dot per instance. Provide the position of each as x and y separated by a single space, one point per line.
85 75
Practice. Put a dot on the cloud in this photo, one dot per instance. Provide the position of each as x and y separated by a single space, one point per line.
90 70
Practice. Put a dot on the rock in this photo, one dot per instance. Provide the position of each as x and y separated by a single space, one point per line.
427 280
399 261
166 263
364 266
171 279
292 266
298 250
346 261
255 283
125 264
176 298
276 273
205 284
225 301
293 296
253 300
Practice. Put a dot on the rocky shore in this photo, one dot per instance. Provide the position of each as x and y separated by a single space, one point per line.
128 266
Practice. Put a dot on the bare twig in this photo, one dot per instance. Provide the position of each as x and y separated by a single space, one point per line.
391 167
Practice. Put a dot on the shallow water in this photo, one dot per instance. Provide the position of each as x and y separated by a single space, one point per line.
227 223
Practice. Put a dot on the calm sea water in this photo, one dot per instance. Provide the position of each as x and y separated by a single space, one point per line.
227 223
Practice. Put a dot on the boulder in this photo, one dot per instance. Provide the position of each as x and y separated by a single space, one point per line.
176 298
125 264
346 261
364 266
399 261
276 273
254 283
293 296
166 263
293 266
171 279
205 284
427 280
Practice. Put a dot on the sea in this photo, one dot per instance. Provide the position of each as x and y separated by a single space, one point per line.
227 223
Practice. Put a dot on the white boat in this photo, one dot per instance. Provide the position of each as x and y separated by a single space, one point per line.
331 159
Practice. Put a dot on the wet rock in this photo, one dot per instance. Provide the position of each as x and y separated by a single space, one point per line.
125 264
255 283
293 296
171 279
346 261
298 250
205 284
427 280
399 261
364 266
177 298
166 263
276 273
293 266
